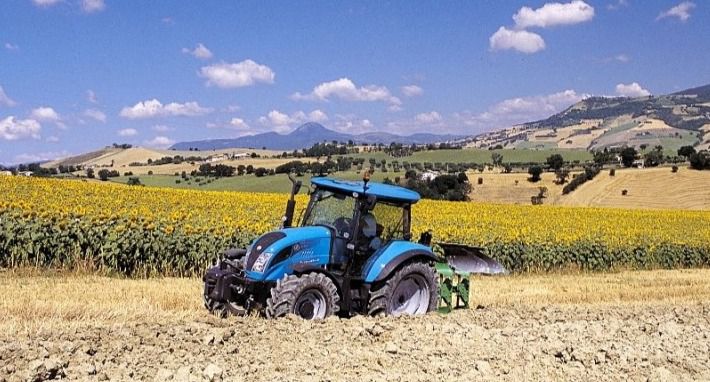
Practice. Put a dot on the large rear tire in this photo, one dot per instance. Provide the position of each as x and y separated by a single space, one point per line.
312 296
412 290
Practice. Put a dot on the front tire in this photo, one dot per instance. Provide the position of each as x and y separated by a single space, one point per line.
412 290
312 296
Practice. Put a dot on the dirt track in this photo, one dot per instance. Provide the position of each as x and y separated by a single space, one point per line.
632 342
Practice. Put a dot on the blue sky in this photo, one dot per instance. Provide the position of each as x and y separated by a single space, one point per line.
76 75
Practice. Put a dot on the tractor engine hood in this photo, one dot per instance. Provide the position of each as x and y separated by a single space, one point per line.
276 252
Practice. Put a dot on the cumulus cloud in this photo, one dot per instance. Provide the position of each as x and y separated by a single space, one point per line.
154 108
428 118
681 11
345 89
351 124
45 114
552 14
238 123
412 91
5 99
520 40
241 74
127 132
283 122
201 52
91 6
12 129
11 46
631 90
45 3
160 142
520 109
95 114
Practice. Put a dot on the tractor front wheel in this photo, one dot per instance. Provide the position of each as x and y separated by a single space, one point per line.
412 290
312 296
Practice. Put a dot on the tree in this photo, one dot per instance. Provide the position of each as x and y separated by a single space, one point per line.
700 160
103 174
134 181
497 159
90 173
555 161
562 175
628 156
654 157
686 151
534 172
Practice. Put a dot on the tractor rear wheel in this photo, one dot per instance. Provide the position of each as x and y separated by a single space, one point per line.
411 290
312 296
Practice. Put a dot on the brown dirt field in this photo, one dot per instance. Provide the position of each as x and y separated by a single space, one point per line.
647 188
639 326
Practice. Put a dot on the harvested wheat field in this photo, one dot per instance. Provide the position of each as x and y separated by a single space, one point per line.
639 326
646 188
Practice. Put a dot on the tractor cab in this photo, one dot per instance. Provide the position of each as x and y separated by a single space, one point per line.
362 217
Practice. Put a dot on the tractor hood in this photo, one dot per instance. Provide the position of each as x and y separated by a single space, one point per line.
277 252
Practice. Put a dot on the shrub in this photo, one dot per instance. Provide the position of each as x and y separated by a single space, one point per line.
480 180
134 181
624 192
674 168
589 173
534 172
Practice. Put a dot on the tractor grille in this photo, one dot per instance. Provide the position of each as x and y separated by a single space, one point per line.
261 244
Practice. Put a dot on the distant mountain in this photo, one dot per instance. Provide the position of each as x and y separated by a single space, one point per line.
681 118
306 135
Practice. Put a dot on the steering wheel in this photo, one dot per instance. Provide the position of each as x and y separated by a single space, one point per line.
341 225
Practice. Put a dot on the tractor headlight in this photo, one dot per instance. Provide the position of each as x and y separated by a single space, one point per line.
261 262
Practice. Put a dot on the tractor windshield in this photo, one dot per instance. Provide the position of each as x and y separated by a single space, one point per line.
331 209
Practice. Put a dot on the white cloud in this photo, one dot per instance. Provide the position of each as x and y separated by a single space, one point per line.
631 90
53 139
520 109
622 57
45 114
552 14
12 128
351 124
346 90
161 128
91 96
245 73
238 123
95 114
5 99
200 52
160 142
681 11
11 46
41 157
412 90
154 108
618 5
127 132
282 122
46 3
428 118
91 6
168 20
520 40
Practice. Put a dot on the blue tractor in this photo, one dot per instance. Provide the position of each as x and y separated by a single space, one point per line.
351 254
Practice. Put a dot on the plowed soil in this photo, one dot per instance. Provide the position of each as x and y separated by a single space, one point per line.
637 341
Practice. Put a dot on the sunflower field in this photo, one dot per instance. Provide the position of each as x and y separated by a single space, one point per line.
140 231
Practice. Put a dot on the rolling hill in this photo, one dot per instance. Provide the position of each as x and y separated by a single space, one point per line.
672 120
305 136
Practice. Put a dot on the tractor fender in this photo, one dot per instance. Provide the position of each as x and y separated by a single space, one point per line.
385 261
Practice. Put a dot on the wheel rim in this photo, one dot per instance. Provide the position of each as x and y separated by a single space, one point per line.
311 305
411 296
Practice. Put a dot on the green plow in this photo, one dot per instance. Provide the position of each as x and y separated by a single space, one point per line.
458 263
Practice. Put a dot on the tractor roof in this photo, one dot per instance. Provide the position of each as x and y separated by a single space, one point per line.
382 191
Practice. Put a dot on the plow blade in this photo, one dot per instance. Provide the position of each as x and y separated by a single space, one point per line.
473 260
